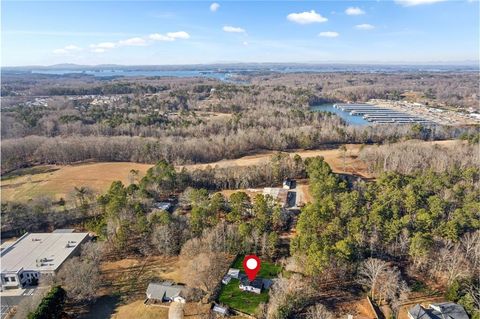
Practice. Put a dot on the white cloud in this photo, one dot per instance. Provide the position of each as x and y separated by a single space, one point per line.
245 43
137 41
68 49
306 17
329 34
98 50
411 3
72 47
178 35
60 51
104 45
364 26
354 11
170 36
214 7
228 28
160 37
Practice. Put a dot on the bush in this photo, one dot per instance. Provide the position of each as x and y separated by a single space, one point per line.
51 306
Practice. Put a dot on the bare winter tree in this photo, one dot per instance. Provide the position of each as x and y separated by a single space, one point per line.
319 311
205 270
80 276
370 274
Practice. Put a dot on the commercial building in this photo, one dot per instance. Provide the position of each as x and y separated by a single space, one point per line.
34 254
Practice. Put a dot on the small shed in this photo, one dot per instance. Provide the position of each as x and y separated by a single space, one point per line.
226 279
234 273
223 310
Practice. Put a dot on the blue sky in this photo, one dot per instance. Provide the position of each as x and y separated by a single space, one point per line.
185 32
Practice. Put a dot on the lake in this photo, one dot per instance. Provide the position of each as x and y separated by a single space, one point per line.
350 119
223 76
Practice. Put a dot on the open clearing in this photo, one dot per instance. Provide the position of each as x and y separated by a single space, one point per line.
130 277
59 181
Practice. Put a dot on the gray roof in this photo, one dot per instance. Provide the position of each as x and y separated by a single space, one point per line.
447 310
418 312
40 251
220 309
257 283
163 290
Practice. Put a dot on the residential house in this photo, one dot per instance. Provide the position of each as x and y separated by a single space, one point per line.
165 291
254 286
166 206
446 310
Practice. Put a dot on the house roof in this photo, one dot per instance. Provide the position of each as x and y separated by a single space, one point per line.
257 283
418 312
447 310
163 290
220 309
233 272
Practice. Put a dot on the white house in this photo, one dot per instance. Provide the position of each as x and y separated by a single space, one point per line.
254 286
34 254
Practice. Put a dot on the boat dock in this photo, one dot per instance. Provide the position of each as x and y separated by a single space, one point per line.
381 115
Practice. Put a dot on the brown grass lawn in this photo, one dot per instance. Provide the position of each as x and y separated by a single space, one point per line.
59 180
130 276
138 310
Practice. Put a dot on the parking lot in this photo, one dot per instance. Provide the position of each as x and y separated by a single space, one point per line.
11 298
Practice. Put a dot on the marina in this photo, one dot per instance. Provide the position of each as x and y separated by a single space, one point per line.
380 115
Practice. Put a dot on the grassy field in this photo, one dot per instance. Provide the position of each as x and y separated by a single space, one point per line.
244 301
267 270
58 181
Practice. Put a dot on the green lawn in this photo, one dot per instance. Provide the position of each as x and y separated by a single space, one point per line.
237 299
244 301
267 270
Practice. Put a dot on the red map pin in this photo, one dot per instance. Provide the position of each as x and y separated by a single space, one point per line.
251 265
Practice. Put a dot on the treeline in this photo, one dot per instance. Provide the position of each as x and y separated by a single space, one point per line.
32 150
457 90
414 156
428 221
